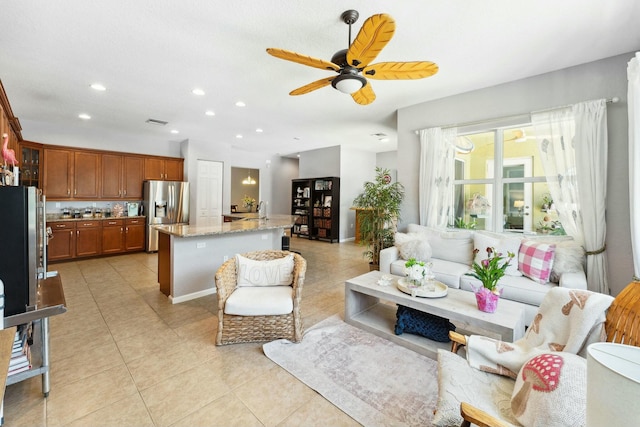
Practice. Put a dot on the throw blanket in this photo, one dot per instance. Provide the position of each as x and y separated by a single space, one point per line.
566 321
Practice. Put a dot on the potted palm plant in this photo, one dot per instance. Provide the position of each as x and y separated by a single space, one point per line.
380 210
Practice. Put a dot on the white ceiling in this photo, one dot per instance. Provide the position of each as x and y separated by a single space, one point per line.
150 54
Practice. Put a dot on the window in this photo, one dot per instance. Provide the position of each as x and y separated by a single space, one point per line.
500 184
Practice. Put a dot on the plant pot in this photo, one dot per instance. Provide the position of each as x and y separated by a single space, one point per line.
374 267
487 301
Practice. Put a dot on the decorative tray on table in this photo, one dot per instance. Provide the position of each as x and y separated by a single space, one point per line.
438 290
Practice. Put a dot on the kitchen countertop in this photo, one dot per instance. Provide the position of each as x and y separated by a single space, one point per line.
58 218
218 226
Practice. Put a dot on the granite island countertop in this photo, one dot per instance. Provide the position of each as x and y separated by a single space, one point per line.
218 226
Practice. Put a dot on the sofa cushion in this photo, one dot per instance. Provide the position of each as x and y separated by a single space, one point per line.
502 244
413 245
260 301
276 272
454 246
519 289
535 260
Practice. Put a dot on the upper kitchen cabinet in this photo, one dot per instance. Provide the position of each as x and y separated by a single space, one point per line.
86 181
9 124
71 174
30 164
163 169
58 169
122 176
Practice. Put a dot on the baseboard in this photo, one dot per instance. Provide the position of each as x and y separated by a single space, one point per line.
189 297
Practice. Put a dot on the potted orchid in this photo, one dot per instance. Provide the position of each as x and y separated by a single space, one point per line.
489 271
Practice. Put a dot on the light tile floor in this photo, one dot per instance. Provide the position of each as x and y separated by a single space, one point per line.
122 355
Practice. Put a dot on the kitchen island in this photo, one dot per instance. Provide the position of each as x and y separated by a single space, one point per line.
190 255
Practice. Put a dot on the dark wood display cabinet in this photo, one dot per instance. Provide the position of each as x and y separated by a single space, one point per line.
301 206
316 203
326 209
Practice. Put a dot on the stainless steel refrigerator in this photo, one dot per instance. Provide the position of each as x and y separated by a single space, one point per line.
23 245
165 202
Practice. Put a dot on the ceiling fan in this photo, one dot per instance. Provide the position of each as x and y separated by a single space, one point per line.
352 64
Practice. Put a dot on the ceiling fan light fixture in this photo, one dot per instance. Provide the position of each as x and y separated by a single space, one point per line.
348 83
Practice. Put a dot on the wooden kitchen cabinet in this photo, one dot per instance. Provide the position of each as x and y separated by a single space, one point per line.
30 164
58 164
86 182
165 169
113 236
135 234
88 238
61 245
122 177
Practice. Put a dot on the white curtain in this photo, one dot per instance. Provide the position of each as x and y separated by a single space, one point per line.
633 102
573 149
436 176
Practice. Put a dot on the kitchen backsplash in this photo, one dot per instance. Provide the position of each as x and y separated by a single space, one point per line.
102 206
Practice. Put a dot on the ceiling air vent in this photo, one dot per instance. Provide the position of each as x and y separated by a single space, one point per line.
156 122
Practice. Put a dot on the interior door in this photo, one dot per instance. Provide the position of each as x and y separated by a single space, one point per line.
209 190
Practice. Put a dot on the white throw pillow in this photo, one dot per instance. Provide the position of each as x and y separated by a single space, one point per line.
413 245
551 390
454 246
569 258
276 272
502 244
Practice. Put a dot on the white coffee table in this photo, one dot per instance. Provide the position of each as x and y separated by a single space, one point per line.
371 307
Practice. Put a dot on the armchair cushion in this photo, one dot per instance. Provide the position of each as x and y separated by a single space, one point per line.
551 390
260 301
458 382
275 272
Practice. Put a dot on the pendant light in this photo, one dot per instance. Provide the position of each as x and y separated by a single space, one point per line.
248 180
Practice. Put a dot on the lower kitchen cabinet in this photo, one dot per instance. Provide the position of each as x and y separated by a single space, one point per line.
88 238
135 234
62 242
92 237
113 236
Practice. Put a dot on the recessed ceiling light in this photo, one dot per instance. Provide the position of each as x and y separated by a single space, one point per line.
240 104
210 113
198 92
239 136
84 116
98 86
258 130
175 131
384 139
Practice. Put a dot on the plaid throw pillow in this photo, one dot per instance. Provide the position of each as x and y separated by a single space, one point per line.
535 260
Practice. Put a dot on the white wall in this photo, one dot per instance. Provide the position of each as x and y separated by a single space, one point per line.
323 162
601 79
357 167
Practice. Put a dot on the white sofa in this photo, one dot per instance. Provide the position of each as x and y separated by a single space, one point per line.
451 253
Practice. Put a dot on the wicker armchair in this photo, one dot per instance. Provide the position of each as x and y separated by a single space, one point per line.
234 329
621 326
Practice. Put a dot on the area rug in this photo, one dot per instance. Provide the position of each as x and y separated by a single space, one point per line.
376 382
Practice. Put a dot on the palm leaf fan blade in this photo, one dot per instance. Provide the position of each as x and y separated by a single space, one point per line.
374 35
401 70
302 59
312 86
364 96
